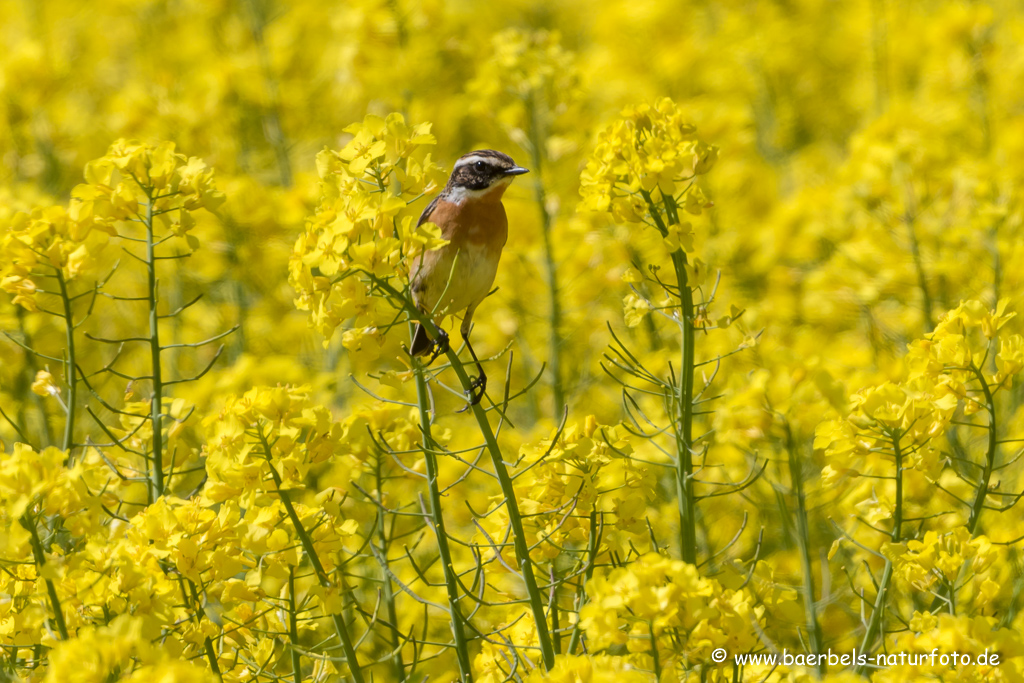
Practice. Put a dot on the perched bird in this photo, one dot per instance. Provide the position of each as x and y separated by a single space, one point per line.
459 275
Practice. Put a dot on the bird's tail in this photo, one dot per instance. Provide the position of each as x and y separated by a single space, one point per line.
420 342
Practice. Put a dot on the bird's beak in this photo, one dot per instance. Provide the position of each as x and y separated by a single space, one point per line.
517 170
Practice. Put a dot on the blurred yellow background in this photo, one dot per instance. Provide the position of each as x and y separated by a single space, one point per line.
868 181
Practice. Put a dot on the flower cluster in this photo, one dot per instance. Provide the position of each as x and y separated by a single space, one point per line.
530 78
277 428
959 346
664 609
364 229
930 636
599 669
920 564
826 357
46 243
120 651
652 154
582 486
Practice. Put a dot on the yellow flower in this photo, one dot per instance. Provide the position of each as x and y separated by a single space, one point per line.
598 669
364 229
44 384
636 307
648 160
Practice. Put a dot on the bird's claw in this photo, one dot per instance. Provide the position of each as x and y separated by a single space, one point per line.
439 346
477 388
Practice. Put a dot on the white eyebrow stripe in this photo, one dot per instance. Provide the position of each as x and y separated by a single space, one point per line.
472 160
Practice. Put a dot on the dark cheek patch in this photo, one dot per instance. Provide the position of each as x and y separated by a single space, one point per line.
471 179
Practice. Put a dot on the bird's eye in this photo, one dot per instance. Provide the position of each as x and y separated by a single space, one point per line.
480 165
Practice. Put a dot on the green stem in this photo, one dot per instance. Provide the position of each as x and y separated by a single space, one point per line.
51 590
242 300
437 520
70 367
195 604
314 559
686 496
922 277
522 550
990 454
556 632
554 303
945 593
272 127
574 639
156 479
804 543
515 520
684 424
878 611
26 379
389 589
211 657
879 44
654 652
293 628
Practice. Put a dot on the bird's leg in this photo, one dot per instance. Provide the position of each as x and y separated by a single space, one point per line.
439 346
478 384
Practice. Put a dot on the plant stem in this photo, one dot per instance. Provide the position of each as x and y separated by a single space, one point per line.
51 590
272 128
574 639
990 454
554 303
211 657
922 277
684 424
318 568
25 379
515 519
437 521
195 604
878 611
686 496
684 429
804 542
880 57
654 651
156 478
556 632
389 589
293 628
522 550
70 366
944 594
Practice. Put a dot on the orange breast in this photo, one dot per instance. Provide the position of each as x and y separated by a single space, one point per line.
476 229
475 221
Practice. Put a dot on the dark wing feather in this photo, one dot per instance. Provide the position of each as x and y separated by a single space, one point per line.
425 216
420 340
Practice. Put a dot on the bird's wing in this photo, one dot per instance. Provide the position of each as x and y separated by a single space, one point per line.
423 264
425 216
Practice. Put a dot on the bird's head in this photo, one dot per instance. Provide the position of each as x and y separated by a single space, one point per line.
483 173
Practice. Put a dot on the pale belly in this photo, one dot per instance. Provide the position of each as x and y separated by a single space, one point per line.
460 278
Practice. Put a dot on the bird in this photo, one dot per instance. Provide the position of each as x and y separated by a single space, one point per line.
458 276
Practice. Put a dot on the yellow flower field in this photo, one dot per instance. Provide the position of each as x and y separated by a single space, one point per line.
755 347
